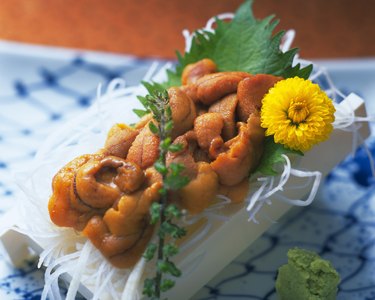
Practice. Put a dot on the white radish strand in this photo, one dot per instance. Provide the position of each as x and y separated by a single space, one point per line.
268 190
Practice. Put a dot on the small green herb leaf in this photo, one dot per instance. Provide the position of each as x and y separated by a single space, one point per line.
167 228
175 148
155 89
176 169
175 182
166 285
169 126
155 212
143 101
172 211
170 250
168 267
153 128
140 112
150 251
272 157
169 112
149 287
164 145
163 191
161 168
174 179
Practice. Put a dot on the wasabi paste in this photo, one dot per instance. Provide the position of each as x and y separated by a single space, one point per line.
306 276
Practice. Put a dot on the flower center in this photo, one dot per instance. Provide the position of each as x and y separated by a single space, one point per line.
298 112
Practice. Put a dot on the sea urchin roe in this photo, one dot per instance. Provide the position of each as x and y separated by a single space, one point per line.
200 191
143 121
119 139
193 72
251 92
215 86
64 208
240 155
123 233
184 157
129 177
183 111
227 108
236 193
94 182
145 149
208 127
108 194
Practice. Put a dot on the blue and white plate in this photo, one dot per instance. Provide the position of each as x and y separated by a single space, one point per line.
41 87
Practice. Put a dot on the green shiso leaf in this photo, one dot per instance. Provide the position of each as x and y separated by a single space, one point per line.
244 44
272 157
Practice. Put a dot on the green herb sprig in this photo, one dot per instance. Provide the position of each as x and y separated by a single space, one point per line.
157 102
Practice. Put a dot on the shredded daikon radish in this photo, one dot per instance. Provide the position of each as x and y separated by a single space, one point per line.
268 189
81 263
102 283
131 291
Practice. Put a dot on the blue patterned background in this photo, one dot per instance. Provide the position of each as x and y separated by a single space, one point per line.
40 88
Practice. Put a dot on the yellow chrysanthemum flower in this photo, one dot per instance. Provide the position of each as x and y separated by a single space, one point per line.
297 113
